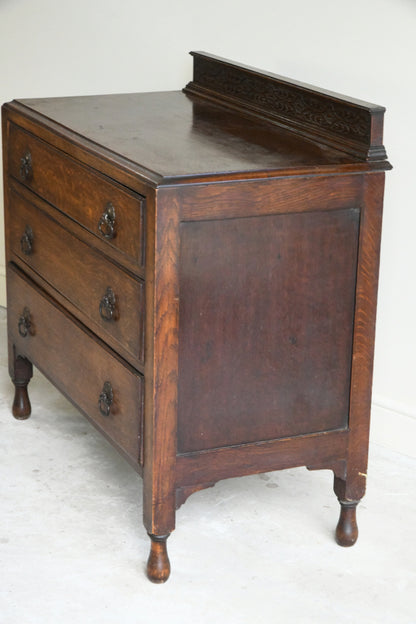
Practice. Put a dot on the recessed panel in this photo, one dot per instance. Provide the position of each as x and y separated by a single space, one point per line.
266 322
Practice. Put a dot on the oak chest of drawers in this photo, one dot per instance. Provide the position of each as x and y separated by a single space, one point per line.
197 272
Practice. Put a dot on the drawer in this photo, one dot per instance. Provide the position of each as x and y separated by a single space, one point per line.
107 299
105 208
85 369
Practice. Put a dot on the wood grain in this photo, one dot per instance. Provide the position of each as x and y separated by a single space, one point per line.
351 125
212 465
266 316
353 488
249 198
81 193
245 262
160 443
57 255
81 373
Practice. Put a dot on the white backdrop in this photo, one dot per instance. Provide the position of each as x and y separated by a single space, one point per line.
363 48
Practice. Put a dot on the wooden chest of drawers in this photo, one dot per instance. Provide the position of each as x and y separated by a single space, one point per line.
197 272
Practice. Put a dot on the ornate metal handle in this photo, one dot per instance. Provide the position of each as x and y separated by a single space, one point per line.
25 324
108 307
106 399
26 170
107 222
26 242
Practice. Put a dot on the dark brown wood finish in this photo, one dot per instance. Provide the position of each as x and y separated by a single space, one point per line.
56 255
87 365
328 450
21 374
79 192
159 473
352 488
280 195
197 143
158 564
267 307
354 126
346 533
229 235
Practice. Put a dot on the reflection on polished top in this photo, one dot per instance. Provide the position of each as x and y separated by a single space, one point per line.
173 134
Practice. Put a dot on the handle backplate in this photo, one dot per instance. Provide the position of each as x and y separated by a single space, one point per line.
25 324
108 306
26 242
107 222
105 399
26 170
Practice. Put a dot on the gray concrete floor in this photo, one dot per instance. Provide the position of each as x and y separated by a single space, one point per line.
259 548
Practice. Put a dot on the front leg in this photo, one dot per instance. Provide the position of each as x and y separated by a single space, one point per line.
158 564
21 375
159 520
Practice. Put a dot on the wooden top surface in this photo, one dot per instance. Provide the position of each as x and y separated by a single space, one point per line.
175 136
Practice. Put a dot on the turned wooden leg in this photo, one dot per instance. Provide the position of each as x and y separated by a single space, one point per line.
349 492
346 532
158 564
22 374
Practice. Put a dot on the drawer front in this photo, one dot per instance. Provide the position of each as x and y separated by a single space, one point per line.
107 299
76 363
102 206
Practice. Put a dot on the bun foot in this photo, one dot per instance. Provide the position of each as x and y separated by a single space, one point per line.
21 405
347 530
158 564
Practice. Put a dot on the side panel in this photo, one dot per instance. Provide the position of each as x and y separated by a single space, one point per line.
266 324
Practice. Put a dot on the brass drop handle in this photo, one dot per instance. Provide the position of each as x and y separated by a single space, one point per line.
26 171
26 242
107 222
25 325
108 306
106 399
